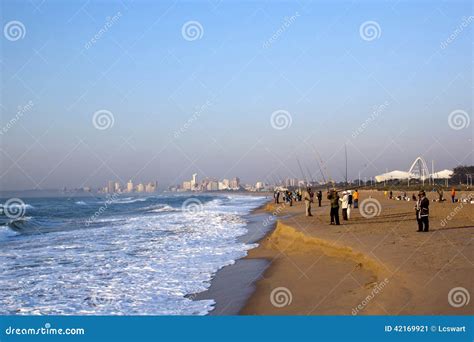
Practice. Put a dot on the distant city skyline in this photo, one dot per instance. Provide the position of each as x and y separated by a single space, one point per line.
160 90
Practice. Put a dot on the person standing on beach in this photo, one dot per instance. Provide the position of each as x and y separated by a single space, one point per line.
356 199
422 212
440 194
344 204
276 196
349 204
308 199
453 195
333 197
289 197
320 197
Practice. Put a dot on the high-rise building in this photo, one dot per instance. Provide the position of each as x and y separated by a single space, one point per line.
140 187
130 186
186 186
194 181
235 183
291 182
110 187
212 186
150 187
117 187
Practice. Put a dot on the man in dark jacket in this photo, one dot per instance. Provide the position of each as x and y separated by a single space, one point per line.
333 197
422 212
308 199
320 197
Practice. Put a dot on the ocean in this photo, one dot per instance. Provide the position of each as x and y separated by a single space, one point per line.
119 255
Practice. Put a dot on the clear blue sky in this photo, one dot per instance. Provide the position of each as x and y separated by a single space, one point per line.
318 68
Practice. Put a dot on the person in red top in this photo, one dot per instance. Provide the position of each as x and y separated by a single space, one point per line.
453 195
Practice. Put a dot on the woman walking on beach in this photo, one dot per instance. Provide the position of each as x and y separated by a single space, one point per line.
422 212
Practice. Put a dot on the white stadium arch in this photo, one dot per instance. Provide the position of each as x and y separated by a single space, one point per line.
418 170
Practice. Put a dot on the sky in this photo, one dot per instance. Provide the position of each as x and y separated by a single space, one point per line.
116 90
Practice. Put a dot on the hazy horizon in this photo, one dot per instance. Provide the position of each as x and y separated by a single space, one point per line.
92 92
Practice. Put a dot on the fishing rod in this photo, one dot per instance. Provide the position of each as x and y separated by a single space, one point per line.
345 150
309 174
301 170
320 162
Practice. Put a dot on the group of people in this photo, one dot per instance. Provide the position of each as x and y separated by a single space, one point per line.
402 197
287 196
348 200
309 199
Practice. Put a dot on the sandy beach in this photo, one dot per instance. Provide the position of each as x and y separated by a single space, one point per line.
366 266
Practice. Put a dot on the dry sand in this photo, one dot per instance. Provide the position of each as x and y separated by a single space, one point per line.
378 265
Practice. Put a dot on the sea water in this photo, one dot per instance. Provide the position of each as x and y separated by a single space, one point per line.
120 255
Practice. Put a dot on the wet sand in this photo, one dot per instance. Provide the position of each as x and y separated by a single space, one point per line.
232 285
377 266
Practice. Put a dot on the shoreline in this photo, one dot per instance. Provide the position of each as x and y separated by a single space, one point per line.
376 266
232 285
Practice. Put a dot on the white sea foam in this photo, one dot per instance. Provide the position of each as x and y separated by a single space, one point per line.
146 264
